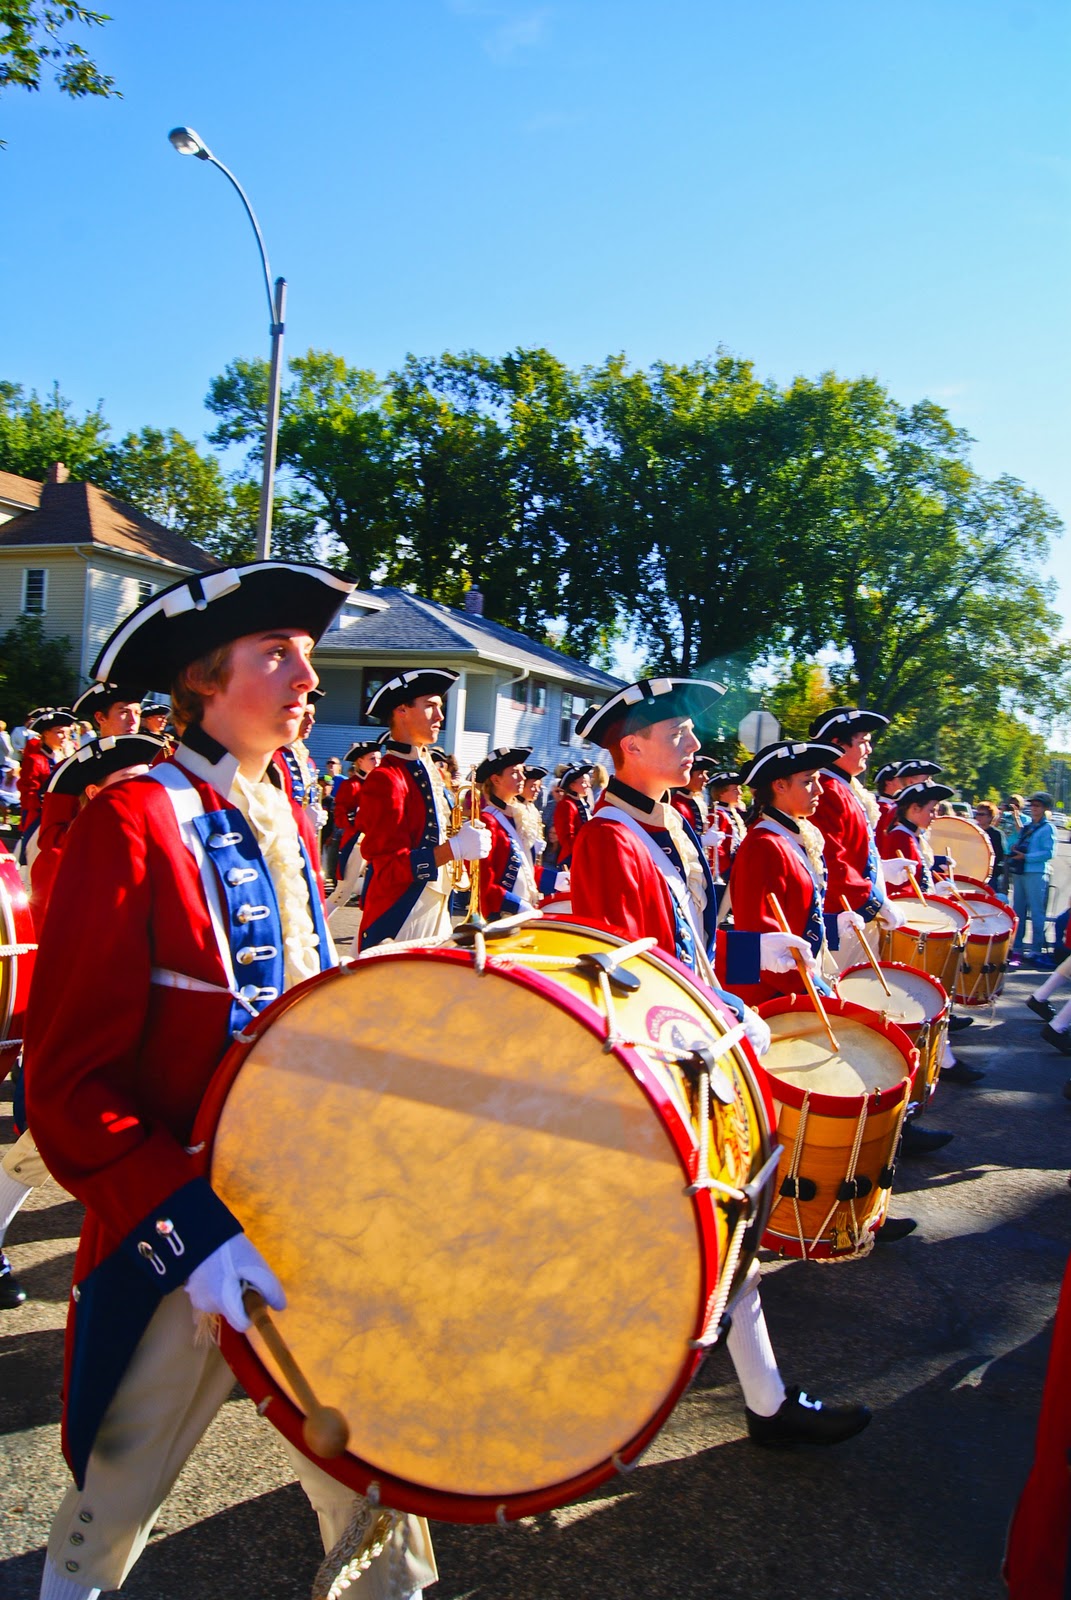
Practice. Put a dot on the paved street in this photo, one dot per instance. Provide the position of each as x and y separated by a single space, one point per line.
945 1335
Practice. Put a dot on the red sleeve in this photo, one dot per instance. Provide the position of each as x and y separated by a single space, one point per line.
34 773
392 822
891 845
615 886
58 811
88 1006
567 826
763 867
844 838
346 797
493 867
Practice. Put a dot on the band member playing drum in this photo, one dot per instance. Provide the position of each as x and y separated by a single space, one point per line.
507 877
207 905
404 817
782 856
846 817
638 870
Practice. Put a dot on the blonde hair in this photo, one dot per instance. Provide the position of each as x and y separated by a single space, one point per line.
188 691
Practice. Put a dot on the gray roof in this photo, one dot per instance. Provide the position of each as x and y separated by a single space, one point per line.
414 625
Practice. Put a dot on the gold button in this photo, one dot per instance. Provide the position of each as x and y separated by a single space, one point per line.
72 1566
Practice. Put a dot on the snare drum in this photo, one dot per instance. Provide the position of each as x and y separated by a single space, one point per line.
918 1004
931 939
839 1117
985 959
485 1196
966 843
17 952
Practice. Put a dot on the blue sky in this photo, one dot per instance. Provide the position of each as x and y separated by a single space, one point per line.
870 187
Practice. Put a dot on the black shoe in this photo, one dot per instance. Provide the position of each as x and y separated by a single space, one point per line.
916 1141
1041 1008
893 1229
960 1073
12 1293
802 1420
957 1024
1059 1041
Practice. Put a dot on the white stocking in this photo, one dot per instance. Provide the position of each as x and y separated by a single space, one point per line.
752 1353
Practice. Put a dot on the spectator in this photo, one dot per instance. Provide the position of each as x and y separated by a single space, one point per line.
985 815
1030 864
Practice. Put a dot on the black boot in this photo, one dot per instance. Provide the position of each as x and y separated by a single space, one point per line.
802 1420
12 1293
916 1141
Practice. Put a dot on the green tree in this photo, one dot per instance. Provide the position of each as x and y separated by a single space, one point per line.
34 671
35 433
34 38
165 476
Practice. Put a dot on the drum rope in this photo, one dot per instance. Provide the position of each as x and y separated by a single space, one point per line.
7 950
720 1298
367 1535
792 1176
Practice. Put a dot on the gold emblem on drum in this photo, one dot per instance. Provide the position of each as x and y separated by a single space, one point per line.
671 1029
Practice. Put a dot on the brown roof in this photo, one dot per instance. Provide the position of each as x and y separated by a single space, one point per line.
23 491
80 513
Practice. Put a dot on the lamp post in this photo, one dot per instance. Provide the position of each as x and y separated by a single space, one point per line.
189 143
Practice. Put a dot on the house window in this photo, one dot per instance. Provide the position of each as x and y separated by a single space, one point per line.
539 696
518 692
372 679
34 590
146 590
567 719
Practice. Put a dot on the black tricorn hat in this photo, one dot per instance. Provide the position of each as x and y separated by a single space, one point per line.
785 758
407 686
535 772
97 759
920 794
48 717
917 768
845 722
102 696
156 708
366 748
498 760
571 774
724 777
210 609
646 701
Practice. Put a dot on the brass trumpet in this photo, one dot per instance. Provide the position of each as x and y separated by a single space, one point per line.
466 809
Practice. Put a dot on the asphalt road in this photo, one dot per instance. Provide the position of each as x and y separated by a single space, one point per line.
945 1335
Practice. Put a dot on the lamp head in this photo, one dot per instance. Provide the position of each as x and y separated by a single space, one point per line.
189 143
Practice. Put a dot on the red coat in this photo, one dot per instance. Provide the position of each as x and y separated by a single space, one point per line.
347 799
900 840
844 826
1036 1562
888 817
569 817
724 817
767 863
35 770
401 830
501 871
117 1064
58 811
691 809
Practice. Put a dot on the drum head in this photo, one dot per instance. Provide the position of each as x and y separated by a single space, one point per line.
916 998
936 916
965 842
990 921
866 1063
479 1218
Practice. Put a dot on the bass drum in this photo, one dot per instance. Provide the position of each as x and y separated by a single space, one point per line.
486 1196
18 950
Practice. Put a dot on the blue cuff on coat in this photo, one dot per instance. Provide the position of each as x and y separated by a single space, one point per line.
422 863
832 933
742 964
179 1234
510 905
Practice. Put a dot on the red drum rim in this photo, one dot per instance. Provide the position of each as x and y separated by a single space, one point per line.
916 972
934 899
363 1476
835 1105
963 882
16 927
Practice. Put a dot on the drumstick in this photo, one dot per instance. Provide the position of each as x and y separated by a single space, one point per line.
867 950
325 1430
911 879
816 999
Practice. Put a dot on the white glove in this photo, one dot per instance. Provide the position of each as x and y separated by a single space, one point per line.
471 842
216 1285
890 916
711 839
899 870
538 846
846 921
775 953
561 881
756 1032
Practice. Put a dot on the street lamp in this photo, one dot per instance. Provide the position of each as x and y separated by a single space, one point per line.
189 143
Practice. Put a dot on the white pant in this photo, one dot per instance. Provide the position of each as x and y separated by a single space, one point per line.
169 1394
